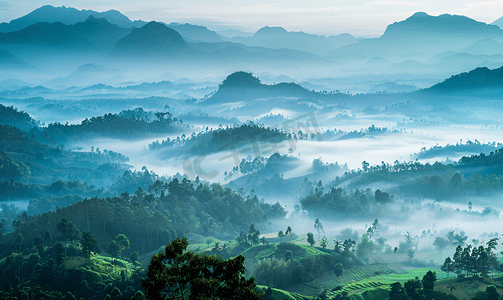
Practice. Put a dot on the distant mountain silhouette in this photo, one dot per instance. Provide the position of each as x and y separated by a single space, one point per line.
9 61
230 33
377 61
486 46
421 35
68 16
477 79
195 33
424 26
393 87
150 41
85 75
93 33
12 84
343 39
462 62
278 37
498 22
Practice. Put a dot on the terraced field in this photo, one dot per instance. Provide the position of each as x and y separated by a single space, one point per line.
376 277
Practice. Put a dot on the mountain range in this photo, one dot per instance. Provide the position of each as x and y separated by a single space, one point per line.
422 43
68 16
93 33
9 61
421 35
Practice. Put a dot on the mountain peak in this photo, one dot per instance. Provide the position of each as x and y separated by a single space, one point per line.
419 14
422 24
153 38
240 79
270 30
67 16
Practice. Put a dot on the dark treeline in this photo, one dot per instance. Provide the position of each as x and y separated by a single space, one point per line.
371 131
274 164
18 190
222 139
9 115
116 126
24 159
295 267
149 218
453 150
432 180
494 160
358 203
60 266
472 260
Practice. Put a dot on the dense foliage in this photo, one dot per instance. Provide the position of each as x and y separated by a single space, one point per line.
9 115
224 139
336 200
113 125
149 218
177 274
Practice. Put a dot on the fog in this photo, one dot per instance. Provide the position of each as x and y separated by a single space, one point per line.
195 134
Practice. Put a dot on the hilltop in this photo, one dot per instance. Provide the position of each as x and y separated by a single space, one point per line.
243 86
481 78
154 40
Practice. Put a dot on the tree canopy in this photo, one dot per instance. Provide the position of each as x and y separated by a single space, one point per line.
181 274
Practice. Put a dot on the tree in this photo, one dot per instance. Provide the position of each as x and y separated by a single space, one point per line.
460 238
177 274
365 166
288 255
310 238
68 231
447 266
337 246
324 243
365 247
397 292
440 243
411 253
429 280
492 293
413 289
59 252
47 238
113 249
281 234
123 243
457 264
288 231
373 228
251 232
256 237
241 239
19 242
134 256
338 270
319 227
89 245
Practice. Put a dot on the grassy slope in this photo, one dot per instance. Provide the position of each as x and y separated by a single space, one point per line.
362 283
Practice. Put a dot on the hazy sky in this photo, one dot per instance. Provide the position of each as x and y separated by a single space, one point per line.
328 17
